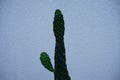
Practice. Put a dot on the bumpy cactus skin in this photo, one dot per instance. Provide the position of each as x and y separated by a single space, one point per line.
61 72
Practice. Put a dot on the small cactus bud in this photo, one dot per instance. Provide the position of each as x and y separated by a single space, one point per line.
46 62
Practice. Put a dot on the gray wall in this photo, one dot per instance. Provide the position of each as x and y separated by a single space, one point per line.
92 38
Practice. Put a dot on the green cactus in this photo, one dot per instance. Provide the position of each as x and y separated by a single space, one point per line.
46 62
60 70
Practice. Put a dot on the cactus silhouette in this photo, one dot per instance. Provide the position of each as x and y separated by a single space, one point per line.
60 68
45 60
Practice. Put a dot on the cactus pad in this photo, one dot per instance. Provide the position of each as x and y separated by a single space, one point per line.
46 62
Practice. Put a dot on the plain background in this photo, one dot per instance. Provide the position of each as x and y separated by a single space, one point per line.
92 38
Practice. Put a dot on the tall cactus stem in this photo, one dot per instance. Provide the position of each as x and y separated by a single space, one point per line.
60 68
61 72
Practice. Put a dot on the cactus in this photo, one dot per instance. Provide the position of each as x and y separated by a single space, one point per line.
60 68
46 62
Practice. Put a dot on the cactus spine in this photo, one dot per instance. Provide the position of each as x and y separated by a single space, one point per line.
60 70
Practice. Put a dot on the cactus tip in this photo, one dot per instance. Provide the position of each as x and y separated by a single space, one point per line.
57 12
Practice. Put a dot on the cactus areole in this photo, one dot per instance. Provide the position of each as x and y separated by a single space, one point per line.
61 72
